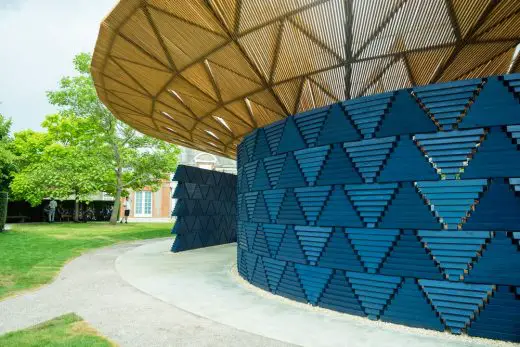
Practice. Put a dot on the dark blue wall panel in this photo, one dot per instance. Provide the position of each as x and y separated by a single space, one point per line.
205 208
402 206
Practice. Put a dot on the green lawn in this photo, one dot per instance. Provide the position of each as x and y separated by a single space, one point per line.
68 330
32 254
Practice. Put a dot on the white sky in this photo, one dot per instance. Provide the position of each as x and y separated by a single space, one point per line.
38 40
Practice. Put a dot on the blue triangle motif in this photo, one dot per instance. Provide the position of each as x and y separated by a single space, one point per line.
409 211
339 296
311 161
410 307
498 209
369 156
407 163
312 200
452 200
339 254
441 294
381 241
374 291
338 211
312 239
261 181
337 128
497 156
493 96
291 175
274 270
454 251
338 168
409 258
291 138
273 234
313 280
405 117
261 147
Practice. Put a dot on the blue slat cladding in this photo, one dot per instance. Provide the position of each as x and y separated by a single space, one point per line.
402 206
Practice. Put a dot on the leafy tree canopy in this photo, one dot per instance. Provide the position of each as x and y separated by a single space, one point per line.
7 158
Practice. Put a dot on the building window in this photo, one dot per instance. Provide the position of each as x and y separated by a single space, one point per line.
143 204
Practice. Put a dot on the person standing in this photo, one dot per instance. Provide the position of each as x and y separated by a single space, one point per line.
127 206
52 210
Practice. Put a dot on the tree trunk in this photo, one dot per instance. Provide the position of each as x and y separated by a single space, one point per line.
115 210
76 210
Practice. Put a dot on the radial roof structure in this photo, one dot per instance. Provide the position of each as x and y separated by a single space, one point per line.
203 73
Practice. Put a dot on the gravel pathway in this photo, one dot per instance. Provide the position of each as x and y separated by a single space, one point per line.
91 287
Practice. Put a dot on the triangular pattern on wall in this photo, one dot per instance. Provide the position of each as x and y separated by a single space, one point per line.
450 151
497 156
505 304
274 166
501 253
407 163
313 280
408 210
274 270
371 200
382 241
273 199
313 240
497 209
273 234
290 286
261 180
260 213
338 253
338 210
338 295
311 161
262 149
463 195
338 168
493 96
310 122
374 291
291 139
291 175
259 277
312 200
408 304
405 116
409 258
367 112
369 156
337 128
448 105
444 294
290 211
290 248
454 251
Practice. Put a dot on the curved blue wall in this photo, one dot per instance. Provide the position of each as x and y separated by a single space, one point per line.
402 206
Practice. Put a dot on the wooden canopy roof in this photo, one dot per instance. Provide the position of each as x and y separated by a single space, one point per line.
203 73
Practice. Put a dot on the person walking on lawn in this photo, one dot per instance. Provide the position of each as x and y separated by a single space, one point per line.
52 210
128 206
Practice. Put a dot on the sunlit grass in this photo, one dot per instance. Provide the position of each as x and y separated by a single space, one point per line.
67 330
32 254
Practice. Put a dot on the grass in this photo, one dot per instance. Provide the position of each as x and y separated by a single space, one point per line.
32 254
68 330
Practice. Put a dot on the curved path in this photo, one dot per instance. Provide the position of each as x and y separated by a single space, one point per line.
91 287
141 294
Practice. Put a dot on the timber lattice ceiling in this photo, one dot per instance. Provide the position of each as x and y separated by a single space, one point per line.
203 73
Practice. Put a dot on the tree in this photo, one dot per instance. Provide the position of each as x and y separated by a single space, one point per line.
52 165
135 160
7 158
